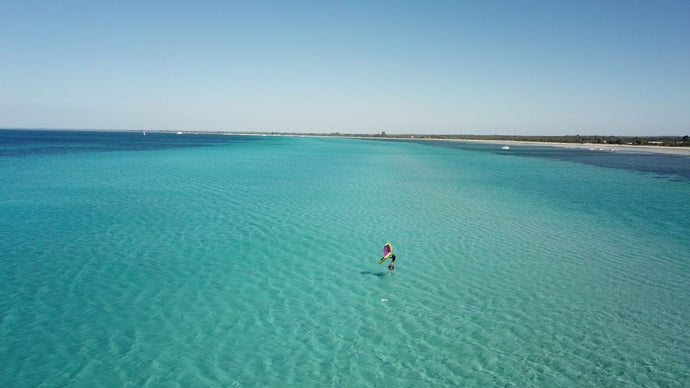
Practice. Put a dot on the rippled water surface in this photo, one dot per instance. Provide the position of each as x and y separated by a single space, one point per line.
208 260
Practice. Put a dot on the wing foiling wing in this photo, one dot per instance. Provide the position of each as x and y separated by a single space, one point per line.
387 252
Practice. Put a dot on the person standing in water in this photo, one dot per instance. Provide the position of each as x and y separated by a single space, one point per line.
392 265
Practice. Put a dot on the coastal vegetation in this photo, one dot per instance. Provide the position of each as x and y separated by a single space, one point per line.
667 141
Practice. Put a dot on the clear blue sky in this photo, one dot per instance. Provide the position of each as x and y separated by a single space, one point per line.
479 67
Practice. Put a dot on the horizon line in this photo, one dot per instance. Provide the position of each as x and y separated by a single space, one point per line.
331 133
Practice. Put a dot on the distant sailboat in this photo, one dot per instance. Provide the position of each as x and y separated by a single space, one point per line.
144 132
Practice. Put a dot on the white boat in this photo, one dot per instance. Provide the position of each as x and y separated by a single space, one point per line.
505 148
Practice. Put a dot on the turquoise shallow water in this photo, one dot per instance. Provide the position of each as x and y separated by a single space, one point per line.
189 260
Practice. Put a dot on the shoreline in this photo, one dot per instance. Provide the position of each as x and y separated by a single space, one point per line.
600 147
679 151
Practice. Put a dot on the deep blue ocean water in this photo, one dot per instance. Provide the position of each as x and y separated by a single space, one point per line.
210 260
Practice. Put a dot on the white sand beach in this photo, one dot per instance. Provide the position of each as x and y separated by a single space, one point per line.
683 151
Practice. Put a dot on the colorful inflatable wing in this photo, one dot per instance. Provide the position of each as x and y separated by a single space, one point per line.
387 252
